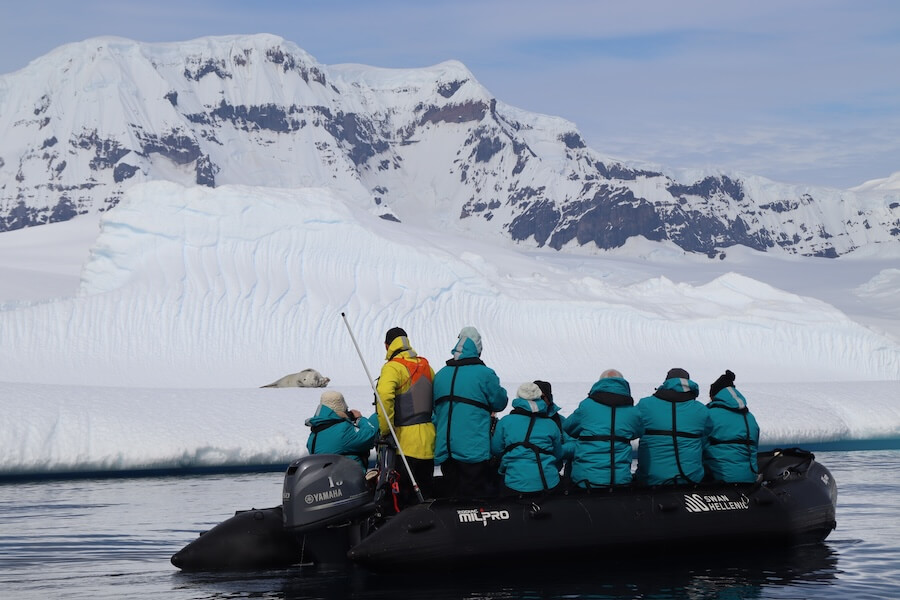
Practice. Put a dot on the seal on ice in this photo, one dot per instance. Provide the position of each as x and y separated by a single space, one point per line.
305 378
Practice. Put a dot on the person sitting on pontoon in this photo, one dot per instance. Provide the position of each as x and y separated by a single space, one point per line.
335 429
603 426
730 451
676 426
529 443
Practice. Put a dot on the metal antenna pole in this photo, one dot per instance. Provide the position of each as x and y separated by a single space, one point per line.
384 412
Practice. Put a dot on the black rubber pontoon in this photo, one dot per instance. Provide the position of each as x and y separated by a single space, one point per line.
796 506
328 511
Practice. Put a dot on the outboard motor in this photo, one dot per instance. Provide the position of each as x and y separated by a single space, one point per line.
323 489
326 499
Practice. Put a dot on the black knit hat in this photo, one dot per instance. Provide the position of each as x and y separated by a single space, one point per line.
724 381
393 333
546 389
677 374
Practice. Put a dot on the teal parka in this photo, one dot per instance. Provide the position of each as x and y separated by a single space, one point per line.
568 442
332 434
466 392
730 453
603 426
676 426
529 443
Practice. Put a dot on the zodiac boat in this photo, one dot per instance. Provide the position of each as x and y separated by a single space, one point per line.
328 517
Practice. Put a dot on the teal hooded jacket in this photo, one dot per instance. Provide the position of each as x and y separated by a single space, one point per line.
730 453
603 426
676 426
529 443
332 434
466 392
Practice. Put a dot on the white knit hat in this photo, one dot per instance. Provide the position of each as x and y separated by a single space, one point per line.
335 401
529 391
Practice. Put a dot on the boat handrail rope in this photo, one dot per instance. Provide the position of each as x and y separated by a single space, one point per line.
390 425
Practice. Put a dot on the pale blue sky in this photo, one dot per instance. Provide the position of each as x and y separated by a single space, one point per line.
804 91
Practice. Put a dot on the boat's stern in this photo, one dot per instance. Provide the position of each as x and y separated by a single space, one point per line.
251 539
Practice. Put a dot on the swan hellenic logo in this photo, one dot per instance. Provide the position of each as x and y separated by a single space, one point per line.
699 503
479 515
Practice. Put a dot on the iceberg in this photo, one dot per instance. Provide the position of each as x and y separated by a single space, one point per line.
191 298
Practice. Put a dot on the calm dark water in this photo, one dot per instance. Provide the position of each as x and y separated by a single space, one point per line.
112 538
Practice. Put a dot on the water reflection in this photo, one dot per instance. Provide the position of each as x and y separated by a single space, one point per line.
729 575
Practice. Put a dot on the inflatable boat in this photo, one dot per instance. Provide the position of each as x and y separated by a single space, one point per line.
329 518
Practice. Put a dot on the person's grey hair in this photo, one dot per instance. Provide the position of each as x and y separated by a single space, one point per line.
611 373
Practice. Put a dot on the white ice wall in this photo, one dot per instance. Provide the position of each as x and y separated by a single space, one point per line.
237 286
57 429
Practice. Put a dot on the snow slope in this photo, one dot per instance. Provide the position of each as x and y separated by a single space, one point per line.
236 286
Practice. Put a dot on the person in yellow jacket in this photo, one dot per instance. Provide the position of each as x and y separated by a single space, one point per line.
405 390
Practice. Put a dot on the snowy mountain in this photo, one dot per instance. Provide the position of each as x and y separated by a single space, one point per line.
88 121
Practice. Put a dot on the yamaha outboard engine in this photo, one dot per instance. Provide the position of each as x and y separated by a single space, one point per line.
323 489
326 499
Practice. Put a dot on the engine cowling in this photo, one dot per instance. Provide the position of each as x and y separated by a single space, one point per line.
324 489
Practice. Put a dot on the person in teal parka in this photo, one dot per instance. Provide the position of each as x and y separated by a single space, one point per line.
568 444
676 426
529 443
466 393
336 430
603 426
730 453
